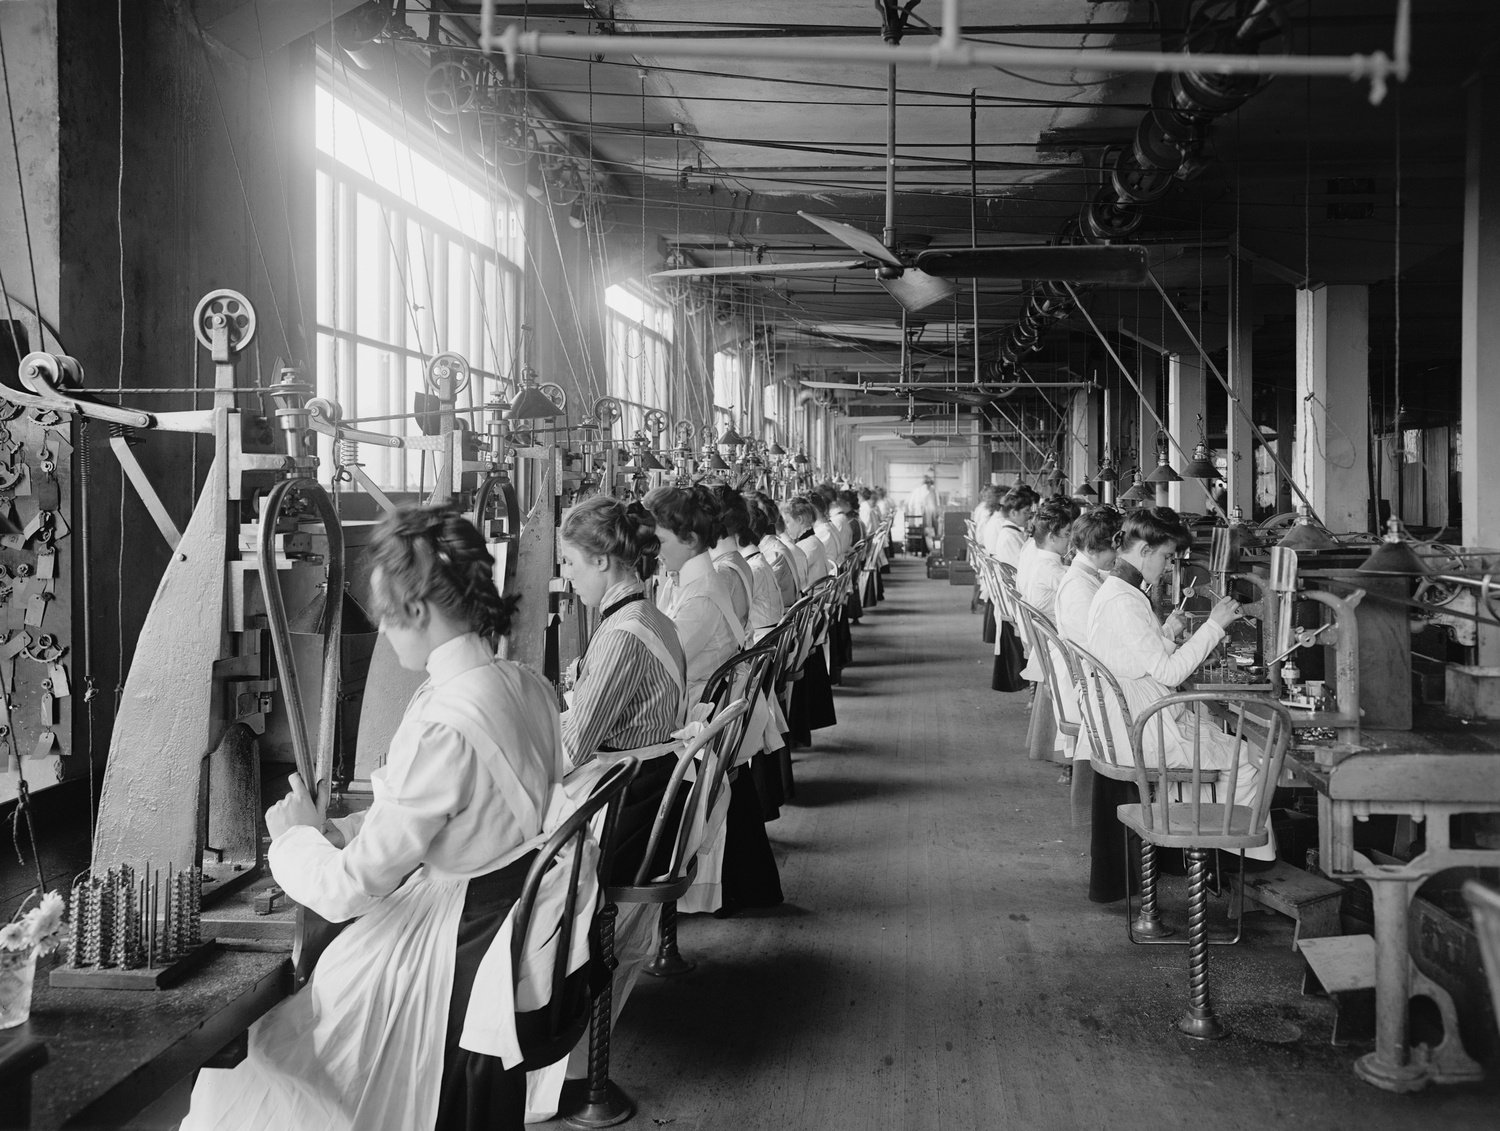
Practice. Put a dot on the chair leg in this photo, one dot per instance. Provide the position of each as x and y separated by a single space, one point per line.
1199 1021
668 961
1146 924
605 1104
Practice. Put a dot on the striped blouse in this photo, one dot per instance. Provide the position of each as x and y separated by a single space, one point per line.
624 698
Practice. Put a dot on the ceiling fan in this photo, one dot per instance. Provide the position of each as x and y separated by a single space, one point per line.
918 280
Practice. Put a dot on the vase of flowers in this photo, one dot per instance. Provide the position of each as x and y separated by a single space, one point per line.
23 940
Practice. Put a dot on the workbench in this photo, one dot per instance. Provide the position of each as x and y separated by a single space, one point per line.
111 1053
1443 767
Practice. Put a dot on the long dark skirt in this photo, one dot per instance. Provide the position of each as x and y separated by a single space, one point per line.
812 700
638 814
750 876
477 1093
765 772
989 622
1113 863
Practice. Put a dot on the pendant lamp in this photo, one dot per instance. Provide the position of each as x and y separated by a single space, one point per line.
530 403
1394 554
1305 534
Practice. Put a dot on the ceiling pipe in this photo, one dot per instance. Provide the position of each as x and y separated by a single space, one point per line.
953 51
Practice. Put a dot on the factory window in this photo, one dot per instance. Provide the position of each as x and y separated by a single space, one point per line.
640 347
418 253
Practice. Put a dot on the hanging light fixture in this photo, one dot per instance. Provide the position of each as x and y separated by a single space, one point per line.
1306 534
530 403
729 438
1394 554
1107 472
1139 491
1201 466
1163 472
800 459
1085 490
715 462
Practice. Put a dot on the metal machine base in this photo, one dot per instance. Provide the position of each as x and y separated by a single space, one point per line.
616 1107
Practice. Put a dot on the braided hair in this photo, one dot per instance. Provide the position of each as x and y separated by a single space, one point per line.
623 532
435 554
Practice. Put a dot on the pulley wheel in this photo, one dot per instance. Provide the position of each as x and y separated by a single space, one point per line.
237 313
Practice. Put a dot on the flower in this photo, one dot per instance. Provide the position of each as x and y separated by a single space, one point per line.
43 928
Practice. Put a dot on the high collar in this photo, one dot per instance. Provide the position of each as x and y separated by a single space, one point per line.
1085 567
840 520
696 568
1128 574
618 592
748 552
1049 554
724 550
454 657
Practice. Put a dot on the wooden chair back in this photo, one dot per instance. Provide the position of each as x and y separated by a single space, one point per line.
712 755
1262 732
1057 669
605 796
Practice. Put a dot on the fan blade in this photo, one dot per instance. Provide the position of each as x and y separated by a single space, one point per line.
761 269
873 437
1125 263
917 290
860 240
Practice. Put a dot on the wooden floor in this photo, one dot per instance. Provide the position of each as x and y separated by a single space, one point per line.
936 964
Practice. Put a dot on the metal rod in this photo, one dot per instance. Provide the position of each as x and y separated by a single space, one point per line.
952 51
1134 384
889 236
1234 400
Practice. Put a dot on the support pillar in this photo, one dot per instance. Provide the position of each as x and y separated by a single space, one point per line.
1184 410
1240 449
1479 389
1331 452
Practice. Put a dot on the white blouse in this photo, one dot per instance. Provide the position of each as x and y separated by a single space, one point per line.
436 798
1075 593
786 563
814 557
1126 636
697 599
766 605
736 573
1003 539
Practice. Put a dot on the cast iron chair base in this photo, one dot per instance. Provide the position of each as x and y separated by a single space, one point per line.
615 1107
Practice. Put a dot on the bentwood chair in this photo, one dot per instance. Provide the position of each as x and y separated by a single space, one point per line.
604 1102
734 679
1263 730
1057 670
548 1033
1106 725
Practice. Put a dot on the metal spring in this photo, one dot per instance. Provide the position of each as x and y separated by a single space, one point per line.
346 452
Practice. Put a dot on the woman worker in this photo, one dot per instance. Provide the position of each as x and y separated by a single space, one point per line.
736 869
1037 584
1125 635
693 593
1005 536
784 560
628 697
767 602
428 872
728 560
629 691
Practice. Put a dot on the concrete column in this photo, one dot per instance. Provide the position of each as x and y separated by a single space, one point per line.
1479 390
1240 448
1184 410
1331 453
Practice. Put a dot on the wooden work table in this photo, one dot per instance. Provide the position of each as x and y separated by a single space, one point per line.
1442 767
111 1053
